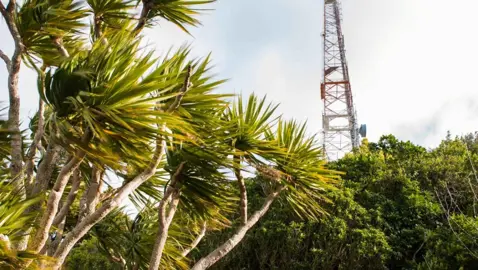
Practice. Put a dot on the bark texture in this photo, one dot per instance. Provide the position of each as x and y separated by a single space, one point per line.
172 193
88 222
81 229
196 241
99 32
232 242
98 24
59 236
14 64
46 168
91 197
6 59
51 245
82 210
56 193
162 235
65 208
148 5
30 158
242 189
13 67
53 200
58 43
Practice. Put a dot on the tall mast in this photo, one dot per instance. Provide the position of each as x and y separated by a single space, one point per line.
339 120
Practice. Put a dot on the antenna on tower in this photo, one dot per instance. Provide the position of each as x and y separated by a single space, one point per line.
339 120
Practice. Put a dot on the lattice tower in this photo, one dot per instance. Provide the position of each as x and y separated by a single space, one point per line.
339 120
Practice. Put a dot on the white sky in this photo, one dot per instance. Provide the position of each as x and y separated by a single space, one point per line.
412 62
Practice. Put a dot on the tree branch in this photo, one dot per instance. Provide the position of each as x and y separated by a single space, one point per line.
30 164
11 6
58 43
59 236
165 219
421 246
164 223
99 33
92 194
81 229
242 189
97 28
225 248
46 168
148 5
184 89
6 59
69 199
3 10
196 241
43 176
82 206
16 164
55 196
51 245
29 161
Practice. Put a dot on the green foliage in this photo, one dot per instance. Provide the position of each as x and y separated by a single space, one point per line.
87 256
12 208
109 98
307 178
453 246
40 22
204 188
179 12
13 221
11 259
399 207
110 12
128 242
248 122
284 241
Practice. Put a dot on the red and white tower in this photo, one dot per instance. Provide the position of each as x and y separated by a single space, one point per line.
339 119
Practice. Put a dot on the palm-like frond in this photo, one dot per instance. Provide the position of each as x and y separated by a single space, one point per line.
151 190
12 208
110 92
302 168
13 220
4 138
179 12
204 187
11 259
132 240
201 105
247 124
109 11
40 22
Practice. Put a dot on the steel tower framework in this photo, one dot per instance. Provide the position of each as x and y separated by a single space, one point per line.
339 120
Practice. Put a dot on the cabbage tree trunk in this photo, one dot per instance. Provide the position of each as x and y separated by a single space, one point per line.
232 242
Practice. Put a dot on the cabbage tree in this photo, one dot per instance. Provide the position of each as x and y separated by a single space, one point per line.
110 111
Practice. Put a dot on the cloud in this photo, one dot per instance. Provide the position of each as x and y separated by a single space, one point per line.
409 66
275 75
457 115
407 63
